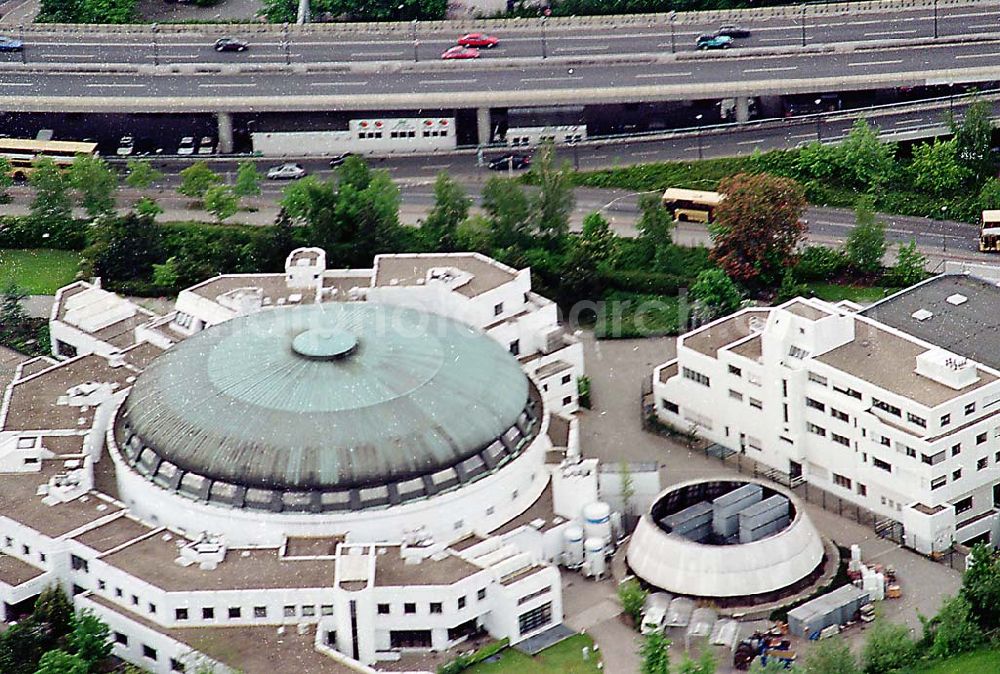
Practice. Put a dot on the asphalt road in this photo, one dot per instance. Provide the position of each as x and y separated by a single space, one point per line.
478 83
335 44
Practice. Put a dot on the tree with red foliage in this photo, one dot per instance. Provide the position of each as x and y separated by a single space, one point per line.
757 227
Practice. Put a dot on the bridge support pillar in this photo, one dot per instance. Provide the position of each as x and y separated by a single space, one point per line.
742 109
484 125
225 120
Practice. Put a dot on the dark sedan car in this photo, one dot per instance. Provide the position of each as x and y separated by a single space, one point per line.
734 30
230 44
514 162
340 159
10 44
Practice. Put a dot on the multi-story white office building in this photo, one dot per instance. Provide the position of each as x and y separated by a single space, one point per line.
311 471
895 407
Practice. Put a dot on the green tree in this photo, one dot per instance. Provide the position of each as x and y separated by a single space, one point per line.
863 160
889 648
16 329
910 266
508 212
552 202
124 248
354 172
96 182
773 666
705 664
141 174
655 654
757 227
53 612
61 662
590 254
196 179
220 201
599 239
247 180
474 234
716 294
59 11
451 207
936 167
981 587
89 639
865 245
51 208
790 287
6 180
632 597
831 656
654 225
989 195
147 207
953 630
974 137
166 275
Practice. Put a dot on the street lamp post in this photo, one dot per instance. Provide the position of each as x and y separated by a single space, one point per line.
803 24
819 134
20 37
576 155
544 54
416 43
288 48
156 46
697 118
944 234
673 41
935 19
951 100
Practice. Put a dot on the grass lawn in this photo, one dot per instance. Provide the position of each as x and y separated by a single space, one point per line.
980 661
832 292
564 658
38 271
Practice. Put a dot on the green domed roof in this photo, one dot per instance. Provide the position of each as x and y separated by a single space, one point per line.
326 397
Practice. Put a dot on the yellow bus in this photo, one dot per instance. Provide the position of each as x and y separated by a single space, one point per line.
22 153
691 205
989 232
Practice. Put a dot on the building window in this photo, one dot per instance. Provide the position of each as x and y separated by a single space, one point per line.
180 614
118 592
383 609
326 609
815 404
567 379
981 438
862 490
289 611
409 608
148 652
885 441
735 395
784 412
498 309
817 379
152 608
696 377
945 419
837 414
818 430
135 600
42 557
208 613
568 400
756 404
176 665
8 541
121 639
671 407
956 475
481 594
939 482
914 419
963 505
956 449
847 392
840 440
735 371
970 408
841 481
798 353
886 407
881 465
981 464
515 347
534 595
235 612
933 460
436 607
259 611
535 618
101 585
461 603
309 611
910 452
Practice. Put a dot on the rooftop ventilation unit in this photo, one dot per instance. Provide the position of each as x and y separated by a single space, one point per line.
921 315
957 299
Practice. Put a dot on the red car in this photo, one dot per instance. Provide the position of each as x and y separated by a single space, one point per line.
481 40
460 52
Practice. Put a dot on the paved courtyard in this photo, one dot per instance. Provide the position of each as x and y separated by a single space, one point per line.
612 431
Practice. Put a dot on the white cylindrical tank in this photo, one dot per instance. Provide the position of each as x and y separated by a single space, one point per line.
597 521
593 557
573 546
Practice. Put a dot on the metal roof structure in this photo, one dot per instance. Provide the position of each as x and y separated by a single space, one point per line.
327 407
